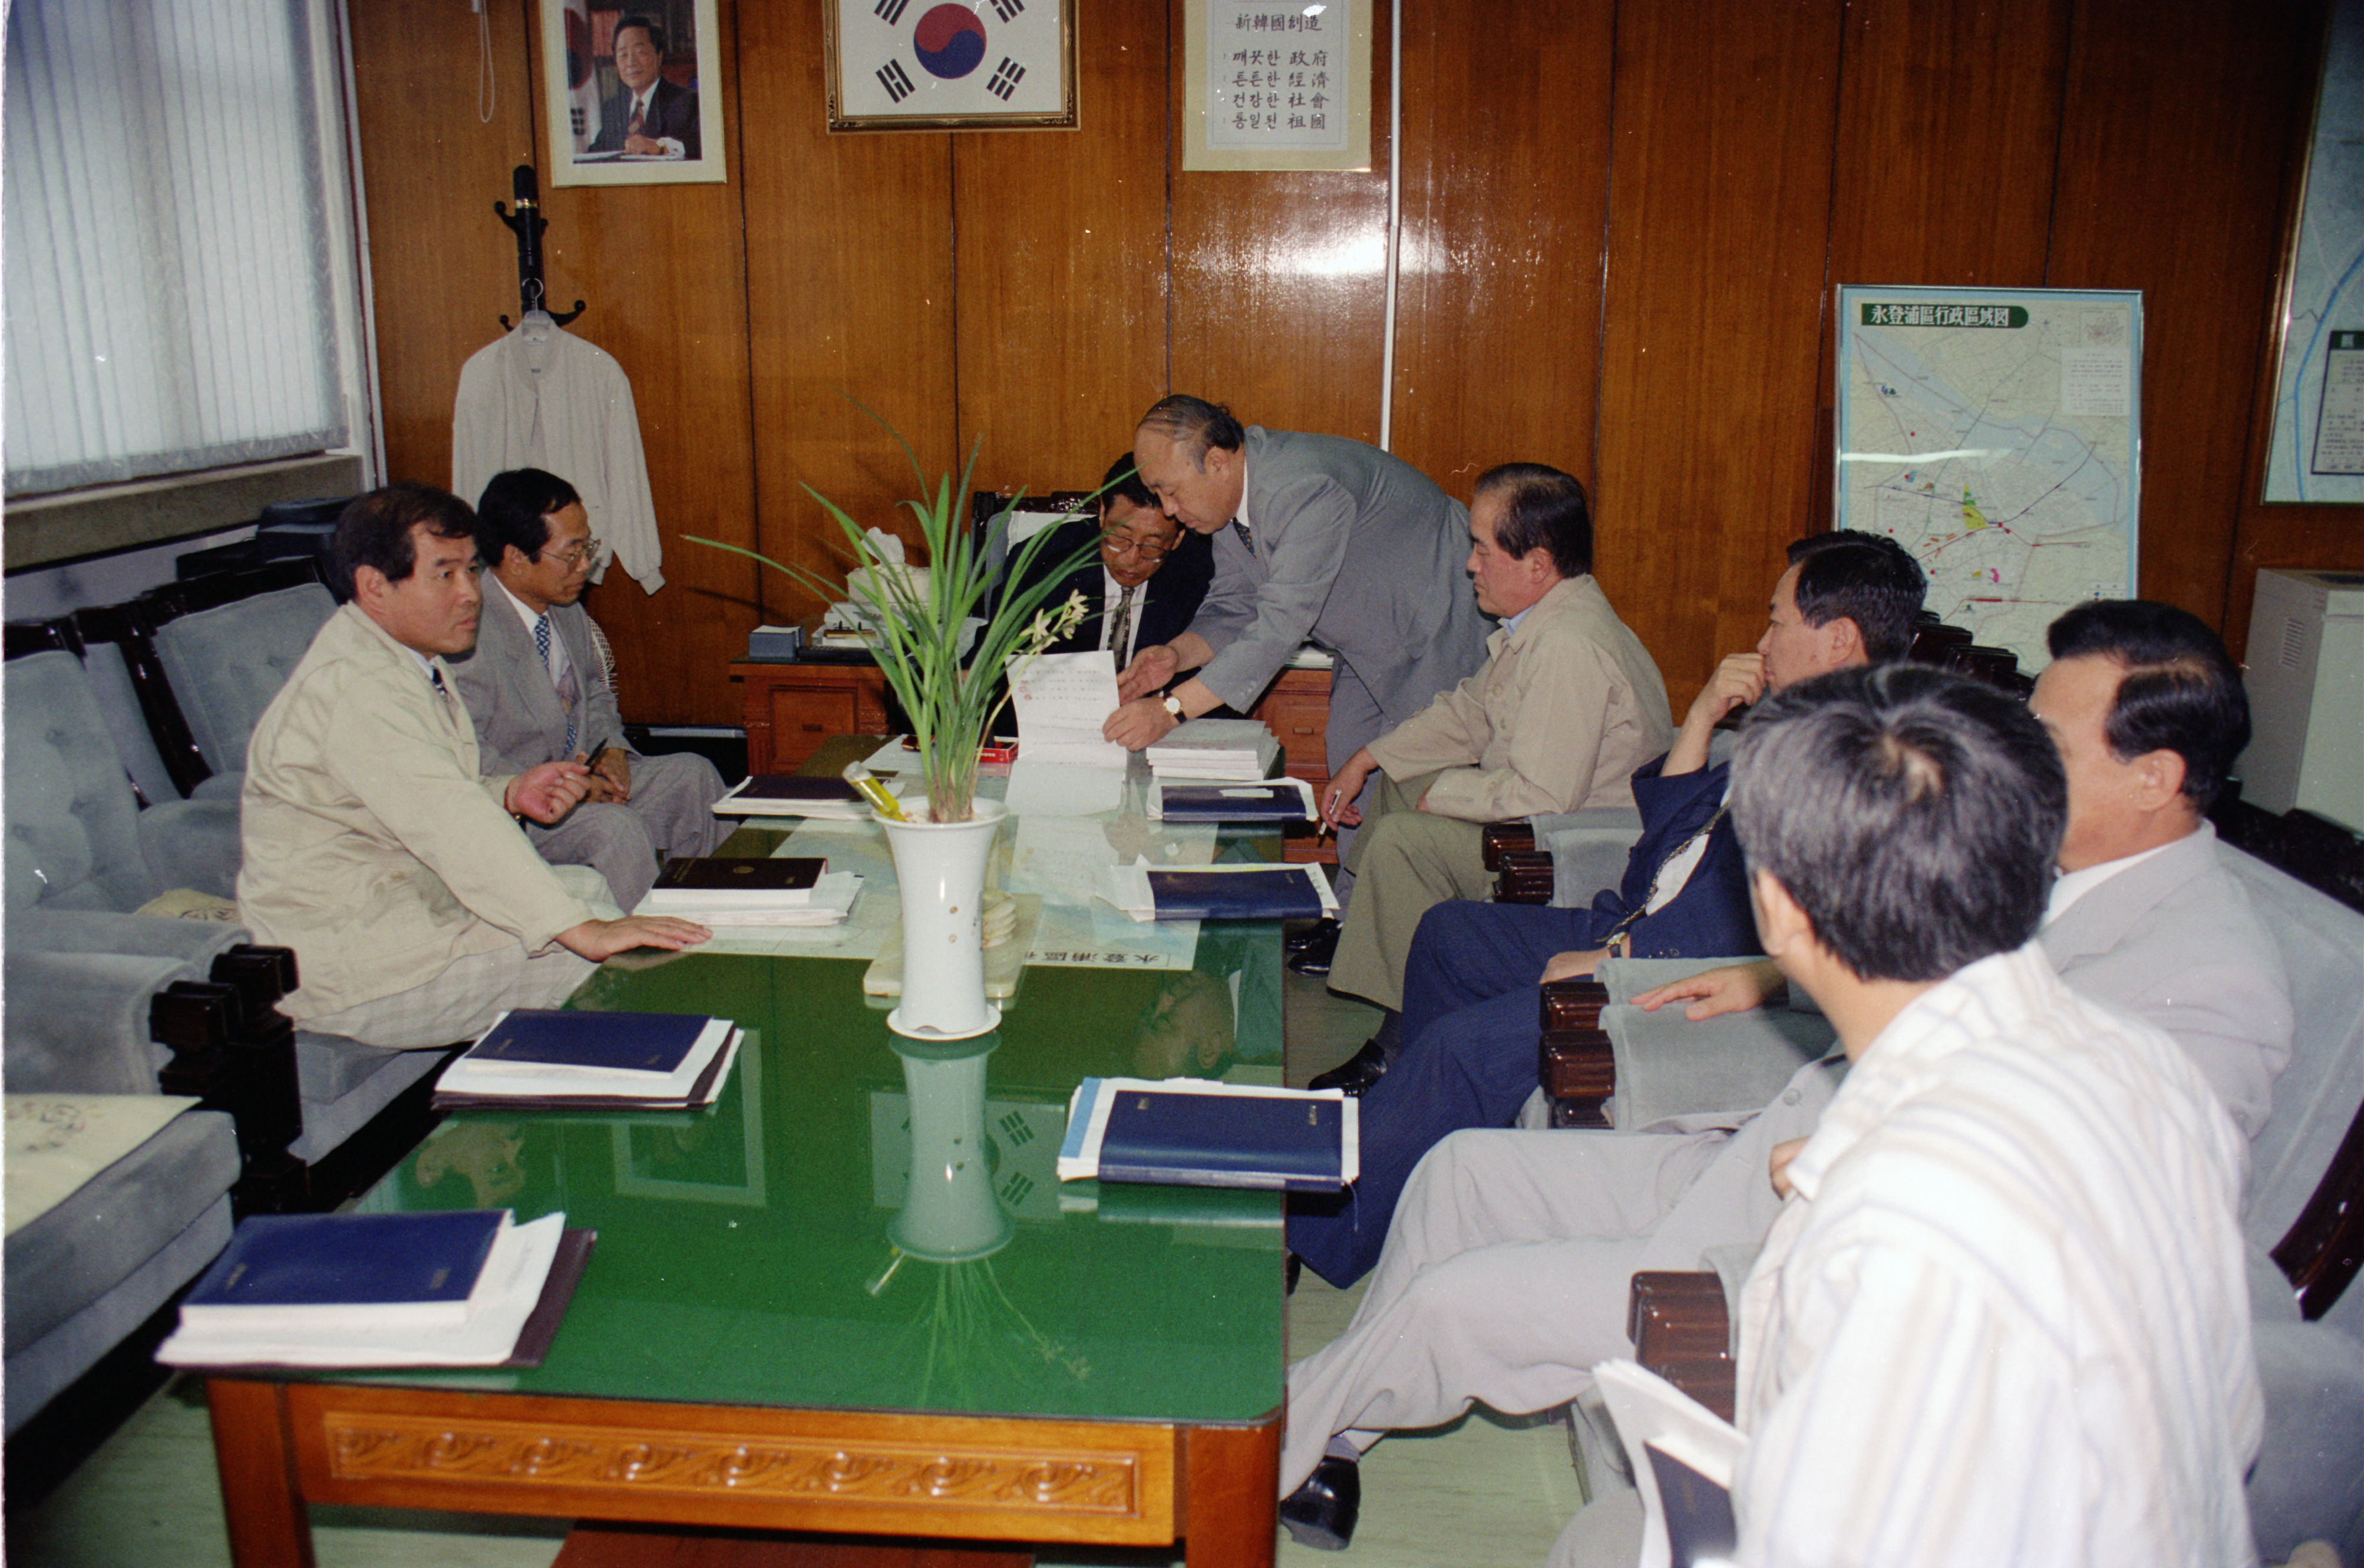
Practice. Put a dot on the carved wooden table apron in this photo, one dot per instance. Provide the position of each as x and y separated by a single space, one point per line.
284 1445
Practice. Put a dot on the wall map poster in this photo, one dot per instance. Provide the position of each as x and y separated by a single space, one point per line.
2318 441
930 65
1997 435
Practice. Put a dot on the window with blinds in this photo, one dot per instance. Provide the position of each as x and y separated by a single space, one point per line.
168 274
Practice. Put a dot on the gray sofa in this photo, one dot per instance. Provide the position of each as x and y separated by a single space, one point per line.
81 855
88 1270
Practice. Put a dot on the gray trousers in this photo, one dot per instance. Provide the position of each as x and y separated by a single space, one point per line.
671 813
462 1002
1508 1262
1405 860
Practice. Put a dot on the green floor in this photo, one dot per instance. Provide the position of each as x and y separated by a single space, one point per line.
1476 1493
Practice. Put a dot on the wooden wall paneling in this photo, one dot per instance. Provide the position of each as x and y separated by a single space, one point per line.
1061 266
1506 189
1719 198
442 268
1948 135
662 270
849 258
2173 153
1280 280
1948 145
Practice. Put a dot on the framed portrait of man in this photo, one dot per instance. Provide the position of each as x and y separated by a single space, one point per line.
632 92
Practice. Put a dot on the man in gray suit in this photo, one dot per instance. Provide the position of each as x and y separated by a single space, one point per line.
1507 1265
1317 538
538 688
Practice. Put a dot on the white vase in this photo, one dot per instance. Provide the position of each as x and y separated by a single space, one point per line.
950 1214
941 869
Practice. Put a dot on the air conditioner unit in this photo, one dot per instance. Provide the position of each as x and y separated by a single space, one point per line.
2306 696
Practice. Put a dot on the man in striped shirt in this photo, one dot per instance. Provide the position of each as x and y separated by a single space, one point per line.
2003 1316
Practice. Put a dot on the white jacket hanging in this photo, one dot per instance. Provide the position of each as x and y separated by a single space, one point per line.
542 398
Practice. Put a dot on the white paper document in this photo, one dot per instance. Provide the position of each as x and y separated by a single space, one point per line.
1062 700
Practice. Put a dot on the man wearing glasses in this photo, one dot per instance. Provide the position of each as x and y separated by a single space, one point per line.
1149 579
540 689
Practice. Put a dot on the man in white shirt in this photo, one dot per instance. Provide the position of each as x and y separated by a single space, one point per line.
2003 1316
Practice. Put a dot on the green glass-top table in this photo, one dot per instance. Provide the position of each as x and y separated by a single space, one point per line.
852 1295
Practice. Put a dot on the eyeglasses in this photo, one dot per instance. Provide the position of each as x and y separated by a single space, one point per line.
571 559
1117 543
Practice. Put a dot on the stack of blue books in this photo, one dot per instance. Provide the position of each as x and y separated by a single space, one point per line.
565 1059
466 1287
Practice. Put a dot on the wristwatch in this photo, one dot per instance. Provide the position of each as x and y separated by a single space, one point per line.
1173 704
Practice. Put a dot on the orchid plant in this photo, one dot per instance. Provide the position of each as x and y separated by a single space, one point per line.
950 704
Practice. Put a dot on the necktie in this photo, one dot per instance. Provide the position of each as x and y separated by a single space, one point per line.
1120 633
542 643
1241 528
639 118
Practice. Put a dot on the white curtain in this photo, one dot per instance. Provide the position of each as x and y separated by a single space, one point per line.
169 280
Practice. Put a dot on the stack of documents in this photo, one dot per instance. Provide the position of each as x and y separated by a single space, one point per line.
464 1288
1215 748
1241 892
1194 1132
780 890
1061 701
788 795
563 1059
1274 800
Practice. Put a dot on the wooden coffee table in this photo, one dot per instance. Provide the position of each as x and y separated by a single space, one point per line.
749 1350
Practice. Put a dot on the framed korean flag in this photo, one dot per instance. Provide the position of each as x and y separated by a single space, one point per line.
951 64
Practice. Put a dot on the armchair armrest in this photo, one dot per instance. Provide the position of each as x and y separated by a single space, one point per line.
83 1022
1523 876
1493 838
1681 1329
193 942
193 843
1668 1068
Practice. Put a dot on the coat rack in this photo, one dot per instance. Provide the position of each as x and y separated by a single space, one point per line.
528 224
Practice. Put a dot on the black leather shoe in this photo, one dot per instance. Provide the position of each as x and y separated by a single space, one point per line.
1321 1513
1325 929
1357 1072
1320 947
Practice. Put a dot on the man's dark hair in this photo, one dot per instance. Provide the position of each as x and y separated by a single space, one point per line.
1913 815
1543 509
515 510
374 530
2181 691
1868 578
1196 424
1124 479
646 25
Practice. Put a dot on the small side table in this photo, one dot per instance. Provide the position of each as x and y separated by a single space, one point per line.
791 707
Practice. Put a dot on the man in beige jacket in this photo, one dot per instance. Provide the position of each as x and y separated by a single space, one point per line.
1567 705
374 848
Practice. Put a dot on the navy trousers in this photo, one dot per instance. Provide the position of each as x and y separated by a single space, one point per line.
1470 1033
